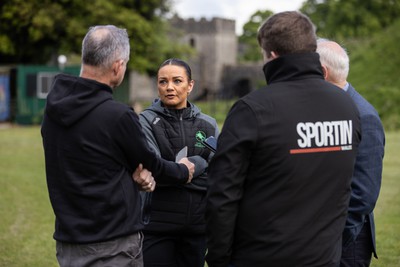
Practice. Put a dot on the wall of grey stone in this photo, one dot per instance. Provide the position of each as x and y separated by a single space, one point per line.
241 79
215 42
142 87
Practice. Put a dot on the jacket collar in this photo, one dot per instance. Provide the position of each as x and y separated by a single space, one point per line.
190 111
293 67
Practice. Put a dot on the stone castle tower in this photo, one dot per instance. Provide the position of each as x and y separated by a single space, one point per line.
216 46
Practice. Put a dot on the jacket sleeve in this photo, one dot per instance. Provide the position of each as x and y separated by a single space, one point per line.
133 142
367 175
145 119
216 130
216 135
227 174
212 121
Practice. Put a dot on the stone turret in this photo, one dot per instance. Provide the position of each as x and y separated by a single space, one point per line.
215 43
214 64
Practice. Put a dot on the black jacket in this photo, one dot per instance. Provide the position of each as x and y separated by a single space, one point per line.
175 207
279 183
92 145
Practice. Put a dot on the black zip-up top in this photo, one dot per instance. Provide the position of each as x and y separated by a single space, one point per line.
168 131
279 183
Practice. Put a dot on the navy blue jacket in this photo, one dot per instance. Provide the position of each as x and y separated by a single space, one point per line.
366 182
92 145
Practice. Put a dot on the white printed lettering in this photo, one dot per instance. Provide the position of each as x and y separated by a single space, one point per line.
322 134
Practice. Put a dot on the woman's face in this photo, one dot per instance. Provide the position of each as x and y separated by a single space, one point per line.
173 86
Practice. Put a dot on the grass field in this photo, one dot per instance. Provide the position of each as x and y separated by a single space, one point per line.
27 220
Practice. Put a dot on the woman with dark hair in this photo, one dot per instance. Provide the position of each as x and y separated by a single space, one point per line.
174 212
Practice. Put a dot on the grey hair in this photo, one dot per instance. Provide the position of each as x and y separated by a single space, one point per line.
336 60
103 45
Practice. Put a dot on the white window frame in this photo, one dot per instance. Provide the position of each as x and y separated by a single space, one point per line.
44 81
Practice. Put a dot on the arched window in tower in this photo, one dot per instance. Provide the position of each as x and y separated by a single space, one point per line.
192 42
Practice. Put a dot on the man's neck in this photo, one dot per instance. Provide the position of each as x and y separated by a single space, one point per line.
94 73
341 84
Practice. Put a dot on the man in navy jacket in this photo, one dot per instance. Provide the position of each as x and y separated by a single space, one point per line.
359 233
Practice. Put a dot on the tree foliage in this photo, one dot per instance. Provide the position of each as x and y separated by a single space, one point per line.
336 19
248 40
36 31
373 72
340 19
369 29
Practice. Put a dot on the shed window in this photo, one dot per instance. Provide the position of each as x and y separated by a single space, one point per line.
44 82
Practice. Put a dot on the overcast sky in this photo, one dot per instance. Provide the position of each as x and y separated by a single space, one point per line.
239 10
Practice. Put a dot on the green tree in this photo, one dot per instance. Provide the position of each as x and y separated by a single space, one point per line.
374 72
369 30
36 31
341 19
248 40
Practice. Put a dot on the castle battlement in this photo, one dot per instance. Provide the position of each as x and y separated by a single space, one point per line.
204 26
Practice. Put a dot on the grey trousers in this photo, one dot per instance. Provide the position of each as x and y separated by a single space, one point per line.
119 252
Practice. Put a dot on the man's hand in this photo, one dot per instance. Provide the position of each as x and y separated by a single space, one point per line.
144 179
190 167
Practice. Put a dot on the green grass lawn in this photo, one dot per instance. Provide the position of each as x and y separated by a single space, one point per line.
387 211
27 220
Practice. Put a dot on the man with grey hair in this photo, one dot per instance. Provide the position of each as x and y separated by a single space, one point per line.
97 159
359 232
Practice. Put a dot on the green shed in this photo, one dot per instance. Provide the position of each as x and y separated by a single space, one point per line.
30 85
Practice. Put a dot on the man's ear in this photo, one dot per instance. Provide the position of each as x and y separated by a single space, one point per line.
274 55
117 65
268 56
325 71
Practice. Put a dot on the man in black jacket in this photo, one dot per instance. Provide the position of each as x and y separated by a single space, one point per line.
92 146
279 183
